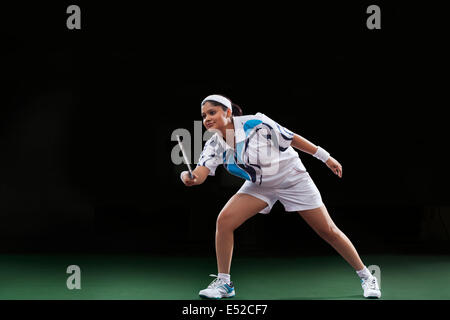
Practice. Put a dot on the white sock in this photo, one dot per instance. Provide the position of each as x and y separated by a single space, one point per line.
364 273
225 277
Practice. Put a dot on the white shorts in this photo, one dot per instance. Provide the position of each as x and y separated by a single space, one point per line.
297 192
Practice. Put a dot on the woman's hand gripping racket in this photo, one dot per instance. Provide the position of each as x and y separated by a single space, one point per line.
191 181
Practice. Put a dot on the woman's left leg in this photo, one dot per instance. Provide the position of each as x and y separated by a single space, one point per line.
321 222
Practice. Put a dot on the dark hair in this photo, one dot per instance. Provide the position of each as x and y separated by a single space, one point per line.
237 111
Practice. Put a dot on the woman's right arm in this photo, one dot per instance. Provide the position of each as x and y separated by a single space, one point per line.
200 174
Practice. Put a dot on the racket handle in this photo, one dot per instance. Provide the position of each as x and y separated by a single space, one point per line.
191 175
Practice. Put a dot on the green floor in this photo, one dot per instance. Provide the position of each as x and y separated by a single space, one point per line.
165 278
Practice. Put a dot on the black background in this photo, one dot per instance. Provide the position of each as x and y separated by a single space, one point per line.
86 119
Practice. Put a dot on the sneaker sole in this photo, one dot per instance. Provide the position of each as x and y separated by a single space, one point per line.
213 298
372 296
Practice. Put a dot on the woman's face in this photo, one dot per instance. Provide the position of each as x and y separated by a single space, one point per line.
214 117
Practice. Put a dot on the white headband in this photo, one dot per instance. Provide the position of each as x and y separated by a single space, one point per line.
220 99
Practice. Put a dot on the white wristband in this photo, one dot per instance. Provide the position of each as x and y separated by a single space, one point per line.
181 175
321 154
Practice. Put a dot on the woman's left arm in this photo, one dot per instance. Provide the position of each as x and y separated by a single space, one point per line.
306 146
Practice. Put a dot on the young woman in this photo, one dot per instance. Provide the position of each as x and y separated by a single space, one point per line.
259 150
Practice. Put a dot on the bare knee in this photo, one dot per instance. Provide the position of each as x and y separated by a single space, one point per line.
224 222
330 233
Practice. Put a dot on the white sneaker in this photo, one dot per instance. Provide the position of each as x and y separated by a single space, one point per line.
218 289
371 289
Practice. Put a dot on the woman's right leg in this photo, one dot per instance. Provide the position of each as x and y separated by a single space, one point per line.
238 209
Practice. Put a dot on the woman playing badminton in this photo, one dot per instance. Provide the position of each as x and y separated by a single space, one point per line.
259 150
